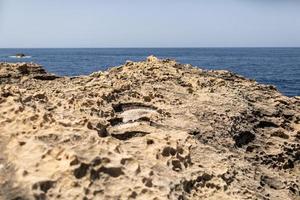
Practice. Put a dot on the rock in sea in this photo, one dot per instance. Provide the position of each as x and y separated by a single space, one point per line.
20 55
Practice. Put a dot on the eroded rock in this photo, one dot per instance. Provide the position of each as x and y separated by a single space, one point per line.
155 129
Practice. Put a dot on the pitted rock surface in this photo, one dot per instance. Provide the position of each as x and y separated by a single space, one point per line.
146 130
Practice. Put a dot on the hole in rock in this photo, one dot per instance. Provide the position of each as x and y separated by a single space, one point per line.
81 170
129 134
243 138
121 107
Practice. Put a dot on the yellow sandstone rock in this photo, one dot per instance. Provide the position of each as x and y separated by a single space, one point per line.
155 129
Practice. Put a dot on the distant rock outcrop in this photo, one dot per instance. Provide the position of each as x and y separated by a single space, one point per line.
20 55
146 130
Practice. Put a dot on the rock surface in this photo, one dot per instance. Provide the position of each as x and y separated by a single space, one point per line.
146 130
18 72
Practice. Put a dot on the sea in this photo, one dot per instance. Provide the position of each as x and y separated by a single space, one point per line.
275 66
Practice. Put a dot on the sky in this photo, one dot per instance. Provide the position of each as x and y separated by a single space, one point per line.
155 23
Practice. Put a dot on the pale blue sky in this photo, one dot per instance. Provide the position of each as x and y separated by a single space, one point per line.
155 23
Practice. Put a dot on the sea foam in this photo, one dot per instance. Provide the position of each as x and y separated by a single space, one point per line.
20 57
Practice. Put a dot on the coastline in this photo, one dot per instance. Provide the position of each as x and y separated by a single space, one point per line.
274 66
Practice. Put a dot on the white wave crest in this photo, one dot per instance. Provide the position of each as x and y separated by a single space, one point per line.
20 57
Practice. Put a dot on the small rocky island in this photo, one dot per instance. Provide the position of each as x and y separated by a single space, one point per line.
155 129
20 55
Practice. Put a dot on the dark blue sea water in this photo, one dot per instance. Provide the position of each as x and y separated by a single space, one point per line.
276 66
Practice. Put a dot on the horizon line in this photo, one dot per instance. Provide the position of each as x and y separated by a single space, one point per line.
147 47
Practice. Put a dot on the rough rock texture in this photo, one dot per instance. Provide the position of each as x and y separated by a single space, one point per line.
18 72
146 130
